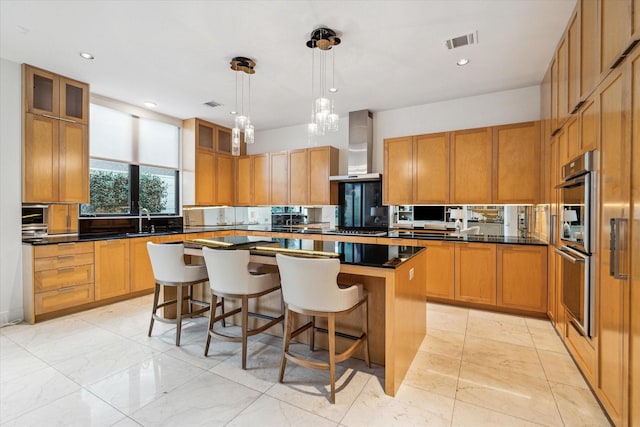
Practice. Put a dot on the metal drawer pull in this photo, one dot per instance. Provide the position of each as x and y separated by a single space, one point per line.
65 256
66 269
66 244
573 259
66 289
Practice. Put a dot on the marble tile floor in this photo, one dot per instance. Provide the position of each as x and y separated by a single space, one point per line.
98 368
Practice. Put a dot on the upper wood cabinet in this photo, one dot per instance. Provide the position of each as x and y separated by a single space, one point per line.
471 166
573 63
298 177
244 180
261 179
562 59
323 163
431 168
573 137
589 126
589 47
56 138
398 171
279 180
224 179
63 218
55 96
205 178
212 168
517 163
616 26
212 137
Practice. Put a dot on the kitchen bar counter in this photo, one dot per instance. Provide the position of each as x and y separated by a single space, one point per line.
394 276
312 233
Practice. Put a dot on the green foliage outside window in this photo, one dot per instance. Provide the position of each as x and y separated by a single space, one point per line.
109 193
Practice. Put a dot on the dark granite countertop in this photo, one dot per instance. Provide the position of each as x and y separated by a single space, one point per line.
404 233
369 255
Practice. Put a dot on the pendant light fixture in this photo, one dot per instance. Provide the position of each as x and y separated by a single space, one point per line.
242 66
323 115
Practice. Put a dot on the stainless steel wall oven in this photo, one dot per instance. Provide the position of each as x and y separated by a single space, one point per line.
578 243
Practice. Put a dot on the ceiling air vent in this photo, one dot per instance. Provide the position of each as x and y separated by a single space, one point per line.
467 39
212 104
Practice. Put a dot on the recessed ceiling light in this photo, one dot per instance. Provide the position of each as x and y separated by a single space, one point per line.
150 104
86 55
462 61
333 89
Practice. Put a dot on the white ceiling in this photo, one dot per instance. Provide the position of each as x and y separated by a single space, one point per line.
177 53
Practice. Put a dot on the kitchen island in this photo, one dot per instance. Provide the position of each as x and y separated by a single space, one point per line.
393 275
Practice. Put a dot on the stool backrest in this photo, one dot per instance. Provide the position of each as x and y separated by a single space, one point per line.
167 261
228 270
311 283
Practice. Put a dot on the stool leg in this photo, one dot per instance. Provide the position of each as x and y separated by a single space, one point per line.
312 334
212 316
365 329
285 342
332 354
156 295
178 313
224 320
245 328
190 297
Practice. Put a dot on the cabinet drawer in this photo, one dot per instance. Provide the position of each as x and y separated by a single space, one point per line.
63 298
62 261
63 277
62 249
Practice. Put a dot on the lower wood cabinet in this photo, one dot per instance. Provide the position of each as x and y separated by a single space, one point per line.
141 273
475 279
112 268
440 269
522 277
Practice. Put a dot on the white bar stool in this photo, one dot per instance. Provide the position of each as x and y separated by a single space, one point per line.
230 278
169 269
309 287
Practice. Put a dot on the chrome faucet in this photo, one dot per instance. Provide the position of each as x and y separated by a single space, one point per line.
142 210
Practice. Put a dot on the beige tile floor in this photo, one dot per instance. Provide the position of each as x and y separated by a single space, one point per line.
99 368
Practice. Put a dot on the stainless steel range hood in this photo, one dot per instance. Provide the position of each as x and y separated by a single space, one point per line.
359 148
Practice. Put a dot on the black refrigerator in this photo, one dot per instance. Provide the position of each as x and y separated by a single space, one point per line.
361 206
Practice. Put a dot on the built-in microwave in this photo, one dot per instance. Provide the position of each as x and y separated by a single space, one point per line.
35 220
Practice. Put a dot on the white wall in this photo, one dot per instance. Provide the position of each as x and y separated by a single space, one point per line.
512 106
10 192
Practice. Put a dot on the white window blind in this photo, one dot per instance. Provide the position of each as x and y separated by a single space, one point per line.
158 144
111 134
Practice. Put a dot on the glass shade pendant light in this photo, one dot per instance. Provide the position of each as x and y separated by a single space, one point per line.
242 122
323 116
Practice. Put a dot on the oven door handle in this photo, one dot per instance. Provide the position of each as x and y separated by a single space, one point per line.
573 259
573 183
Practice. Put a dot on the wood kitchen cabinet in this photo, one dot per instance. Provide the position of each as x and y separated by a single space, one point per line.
63 218
613 292
475 277
141 274
111 268
56 278
398 171
517 163
589 47
573 137
431 168
51 95
279 182
554 93
298 177
56 142
224 179
471 166
573 62
616 30
223 141
440 269
205 178
589 126
244 180
522 277
323 163
562 58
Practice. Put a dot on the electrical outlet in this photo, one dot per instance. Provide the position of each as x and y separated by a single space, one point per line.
411 274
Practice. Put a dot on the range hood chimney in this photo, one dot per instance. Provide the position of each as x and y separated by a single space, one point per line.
360 148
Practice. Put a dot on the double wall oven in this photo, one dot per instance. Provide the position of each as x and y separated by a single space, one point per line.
577 234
